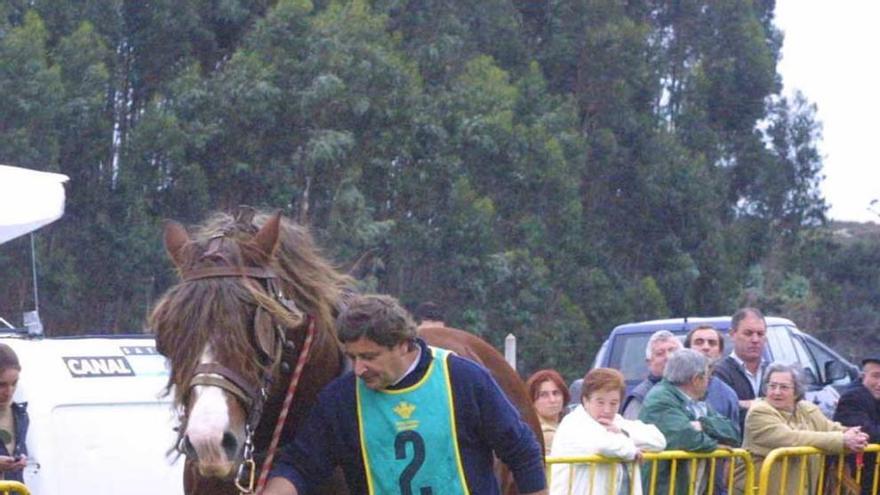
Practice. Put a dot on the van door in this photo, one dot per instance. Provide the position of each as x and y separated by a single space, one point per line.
787 347
825 358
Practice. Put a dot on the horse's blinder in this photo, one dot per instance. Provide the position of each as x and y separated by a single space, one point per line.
268 346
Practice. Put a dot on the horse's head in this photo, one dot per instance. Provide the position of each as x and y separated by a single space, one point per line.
223 328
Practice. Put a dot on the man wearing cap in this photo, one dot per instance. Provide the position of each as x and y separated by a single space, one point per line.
859 405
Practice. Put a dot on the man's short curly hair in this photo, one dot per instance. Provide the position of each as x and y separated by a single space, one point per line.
379 318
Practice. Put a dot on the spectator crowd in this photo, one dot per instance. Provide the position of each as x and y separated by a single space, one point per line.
697 399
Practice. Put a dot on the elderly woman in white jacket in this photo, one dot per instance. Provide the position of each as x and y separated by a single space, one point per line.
596 428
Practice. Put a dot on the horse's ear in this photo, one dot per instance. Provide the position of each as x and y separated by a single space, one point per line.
175 238
267 238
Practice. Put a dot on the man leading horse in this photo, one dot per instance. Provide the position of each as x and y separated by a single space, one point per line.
408 419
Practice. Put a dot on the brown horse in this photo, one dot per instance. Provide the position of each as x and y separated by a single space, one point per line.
233 330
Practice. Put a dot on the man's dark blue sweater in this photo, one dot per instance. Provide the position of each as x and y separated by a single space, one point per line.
485 421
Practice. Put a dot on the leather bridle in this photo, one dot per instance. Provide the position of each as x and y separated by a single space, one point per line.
253 397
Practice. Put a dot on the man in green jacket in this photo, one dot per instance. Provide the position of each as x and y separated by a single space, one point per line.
676 406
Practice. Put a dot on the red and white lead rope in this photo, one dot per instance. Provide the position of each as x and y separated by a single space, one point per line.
285 408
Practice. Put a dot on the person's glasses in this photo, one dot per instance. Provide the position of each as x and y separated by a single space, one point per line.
783 387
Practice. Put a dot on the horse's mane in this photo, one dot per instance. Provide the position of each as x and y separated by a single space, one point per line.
220 311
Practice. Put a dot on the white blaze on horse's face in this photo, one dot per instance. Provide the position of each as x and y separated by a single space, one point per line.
215 427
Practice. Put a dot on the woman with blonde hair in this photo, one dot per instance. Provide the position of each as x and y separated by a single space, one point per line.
597 428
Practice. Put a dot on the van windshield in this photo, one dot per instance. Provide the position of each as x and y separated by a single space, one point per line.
628 351
628 355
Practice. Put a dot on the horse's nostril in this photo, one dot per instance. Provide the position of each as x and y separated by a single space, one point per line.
229 444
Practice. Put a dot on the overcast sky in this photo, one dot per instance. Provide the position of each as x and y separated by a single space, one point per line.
831 55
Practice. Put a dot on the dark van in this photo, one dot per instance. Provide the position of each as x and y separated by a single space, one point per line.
824 369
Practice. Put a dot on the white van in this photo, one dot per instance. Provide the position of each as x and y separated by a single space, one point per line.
98 422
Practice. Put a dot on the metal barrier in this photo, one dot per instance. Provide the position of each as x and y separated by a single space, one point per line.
591 466
13 488
775 476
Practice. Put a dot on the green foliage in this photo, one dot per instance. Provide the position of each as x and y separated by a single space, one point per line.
30 94
545 169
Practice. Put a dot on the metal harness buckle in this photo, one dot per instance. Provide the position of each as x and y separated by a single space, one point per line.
247 470
249 476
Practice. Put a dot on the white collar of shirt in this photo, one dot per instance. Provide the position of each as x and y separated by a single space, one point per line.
411 367
754 378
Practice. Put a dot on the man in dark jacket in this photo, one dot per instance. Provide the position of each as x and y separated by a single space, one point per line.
408 418
743 369
859 405
661 344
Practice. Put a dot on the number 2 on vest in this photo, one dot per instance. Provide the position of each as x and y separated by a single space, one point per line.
418 459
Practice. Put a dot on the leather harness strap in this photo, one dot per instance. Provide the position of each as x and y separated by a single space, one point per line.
229 271
227 379
285 408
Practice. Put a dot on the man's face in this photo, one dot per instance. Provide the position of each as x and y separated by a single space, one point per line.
378 366
701 383
749 338
8 384
871 378
707 342
660 351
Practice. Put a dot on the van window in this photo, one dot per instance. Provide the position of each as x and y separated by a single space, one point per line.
628 355
782 346
789 349
823 355
804 357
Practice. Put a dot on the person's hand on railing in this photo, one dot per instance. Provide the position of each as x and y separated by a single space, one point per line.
854 439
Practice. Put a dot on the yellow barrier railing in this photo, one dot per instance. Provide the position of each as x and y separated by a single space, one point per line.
590 466
13 488
776 473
